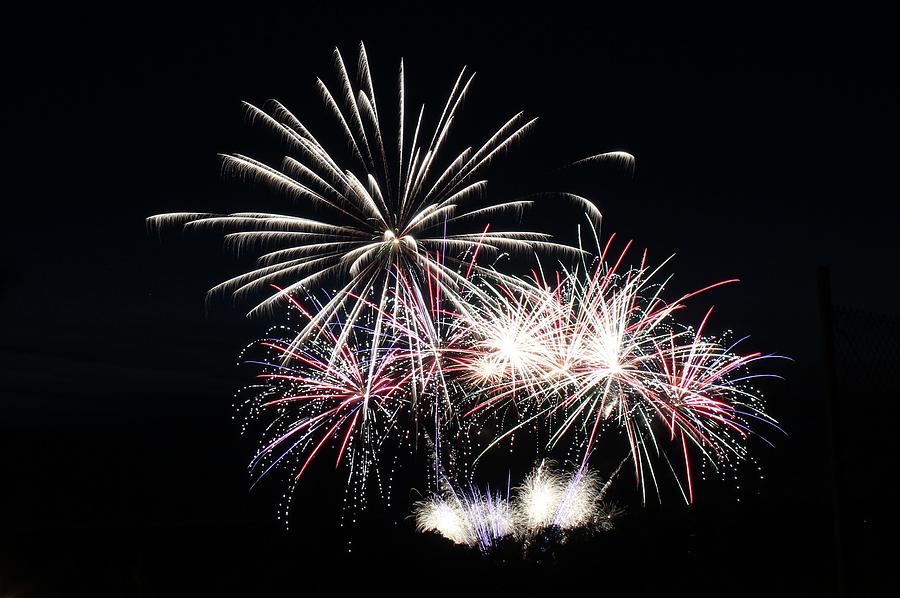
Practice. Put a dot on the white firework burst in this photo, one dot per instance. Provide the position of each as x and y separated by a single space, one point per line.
400 216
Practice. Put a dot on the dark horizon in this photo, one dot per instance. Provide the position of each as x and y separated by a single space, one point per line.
764 152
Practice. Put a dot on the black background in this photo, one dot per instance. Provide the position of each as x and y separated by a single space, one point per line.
765 147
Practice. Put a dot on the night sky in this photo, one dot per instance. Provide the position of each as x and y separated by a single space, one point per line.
766 149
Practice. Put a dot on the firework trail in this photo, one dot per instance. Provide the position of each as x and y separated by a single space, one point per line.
336 393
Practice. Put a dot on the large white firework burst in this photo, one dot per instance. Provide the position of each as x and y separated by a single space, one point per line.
398 211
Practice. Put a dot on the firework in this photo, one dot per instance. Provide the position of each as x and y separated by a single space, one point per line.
600 348
313 398
398 211
548 500
418 325
471 518
447 518
400 227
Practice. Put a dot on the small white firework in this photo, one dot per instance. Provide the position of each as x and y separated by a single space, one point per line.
581 502
446 518
469 518
539 497
549 498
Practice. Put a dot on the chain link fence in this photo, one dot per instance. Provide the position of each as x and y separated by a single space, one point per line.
862 360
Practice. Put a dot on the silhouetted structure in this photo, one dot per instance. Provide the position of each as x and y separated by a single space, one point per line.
862 366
